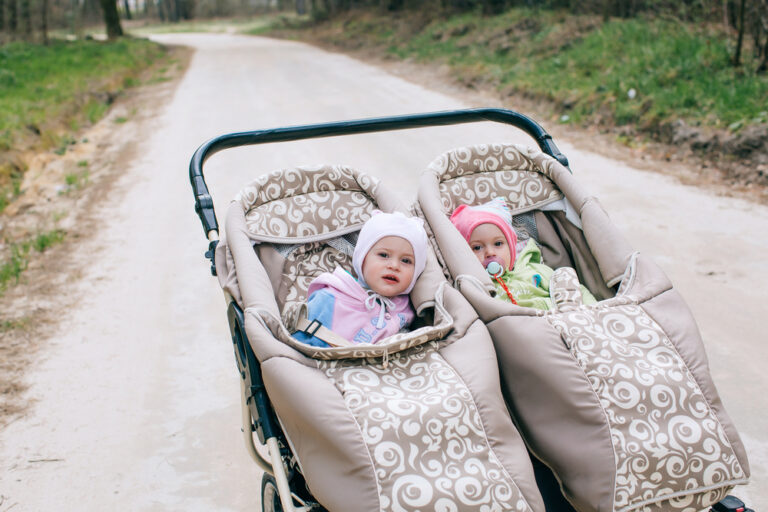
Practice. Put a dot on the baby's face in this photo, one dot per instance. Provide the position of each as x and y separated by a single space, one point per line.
489 244
389 266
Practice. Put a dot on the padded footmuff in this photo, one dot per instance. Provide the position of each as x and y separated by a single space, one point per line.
414 422
615 397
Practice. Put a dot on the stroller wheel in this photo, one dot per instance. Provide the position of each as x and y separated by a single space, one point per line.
270 499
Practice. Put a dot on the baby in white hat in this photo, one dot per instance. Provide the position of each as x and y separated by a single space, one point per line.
390 255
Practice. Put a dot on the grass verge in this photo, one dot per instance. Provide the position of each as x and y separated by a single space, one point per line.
47 93
646 76
17 255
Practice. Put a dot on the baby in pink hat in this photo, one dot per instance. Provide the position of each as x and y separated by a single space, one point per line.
521 277
389 256
488 229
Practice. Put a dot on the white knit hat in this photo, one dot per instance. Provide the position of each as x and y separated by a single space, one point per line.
391 224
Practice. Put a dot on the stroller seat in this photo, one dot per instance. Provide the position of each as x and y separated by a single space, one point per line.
415 422
615 397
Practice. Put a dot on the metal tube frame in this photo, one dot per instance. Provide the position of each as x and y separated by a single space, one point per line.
204 202
248 433
205 210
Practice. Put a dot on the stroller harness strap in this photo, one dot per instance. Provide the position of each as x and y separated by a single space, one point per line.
318 330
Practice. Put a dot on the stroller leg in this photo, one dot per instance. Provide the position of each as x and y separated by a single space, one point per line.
283 489
248 432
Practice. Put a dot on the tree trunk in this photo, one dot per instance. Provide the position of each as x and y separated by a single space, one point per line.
740 40
92 11
111 19
607 9
186 8
13 20
492 7
169 7
161 11
2 19
76 19
763 15
26 20
127 10
44 21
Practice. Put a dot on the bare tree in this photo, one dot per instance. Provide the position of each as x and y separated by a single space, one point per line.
26 20
162 11
493 7
44 21
761 23
111 19
740 39
91 11
13 20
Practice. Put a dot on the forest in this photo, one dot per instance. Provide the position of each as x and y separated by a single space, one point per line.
691 74
34 20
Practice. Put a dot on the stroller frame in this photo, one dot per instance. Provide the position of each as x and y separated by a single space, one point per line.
281 476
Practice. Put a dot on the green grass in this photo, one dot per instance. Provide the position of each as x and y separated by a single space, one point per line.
22 323
17 255
67 81
75 181
10 184
639 72
48 93
646 73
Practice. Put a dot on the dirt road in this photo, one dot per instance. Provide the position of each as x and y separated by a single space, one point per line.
135 397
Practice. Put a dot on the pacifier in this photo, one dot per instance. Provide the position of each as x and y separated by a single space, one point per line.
494 268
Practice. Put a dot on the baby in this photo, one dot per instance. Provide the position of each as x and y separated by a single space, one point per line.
389 256
520 276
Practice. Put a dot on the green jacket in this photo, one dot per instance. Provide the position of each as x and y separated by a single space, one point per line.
528 281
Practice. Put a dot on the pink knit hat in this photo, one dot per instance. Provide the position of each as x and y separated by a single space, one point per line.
467 218
383 224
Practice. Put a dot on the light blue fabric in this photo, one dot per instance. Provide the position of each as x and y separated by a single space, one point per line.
319 307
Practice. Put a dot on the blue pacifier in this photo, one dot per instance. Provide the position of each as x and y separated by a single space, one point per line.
494 268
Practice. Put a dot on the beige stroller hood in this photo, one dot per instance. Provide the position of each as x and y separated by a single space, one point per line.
416 422
616 397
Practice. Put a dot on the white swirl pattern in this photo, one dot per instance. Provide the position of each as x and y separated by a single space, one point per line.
671 450
476 174
303 265
305 203
424 434
564 288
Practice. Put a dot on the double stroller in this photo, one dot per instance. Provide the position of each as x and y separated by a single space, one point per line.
612 402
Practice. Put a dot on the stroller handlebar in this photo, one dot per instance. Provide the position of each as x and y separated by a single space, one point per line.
204 202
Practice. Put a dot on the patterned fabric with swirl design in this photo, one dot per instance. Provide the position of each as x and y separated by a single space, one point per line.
564 289
307 204
424 435
480 173
668 443
302 266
